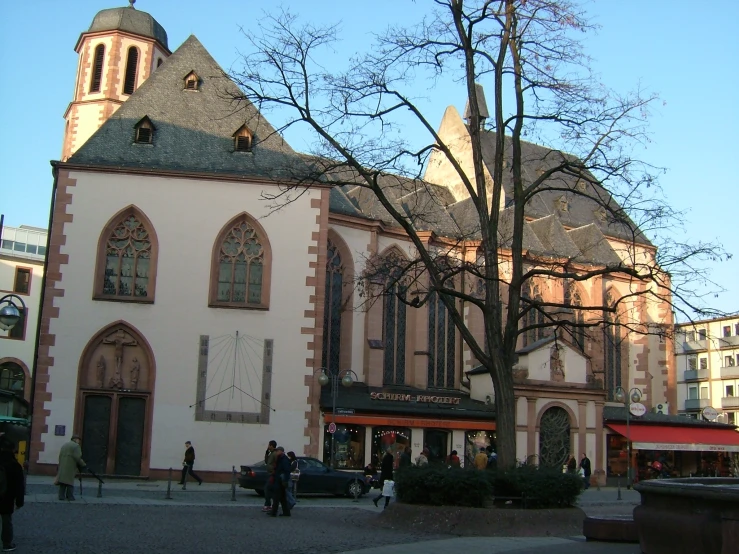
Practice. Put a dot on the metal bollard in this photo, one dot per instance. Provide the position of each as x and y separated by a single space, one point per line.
233 483
100 489
169 485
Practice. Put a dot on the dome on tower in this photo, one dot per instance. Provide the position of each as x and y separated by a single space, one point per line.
130 20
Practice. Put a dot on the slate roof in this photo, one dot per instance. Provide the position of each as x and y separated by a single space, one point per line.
194 129
130 20
358 398
618 414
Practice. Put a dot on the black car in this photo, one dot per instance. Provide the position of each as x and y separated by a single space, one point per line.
315 477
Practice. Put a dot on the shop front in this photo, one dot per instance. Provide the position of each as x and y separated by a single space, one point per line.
671 448
370 422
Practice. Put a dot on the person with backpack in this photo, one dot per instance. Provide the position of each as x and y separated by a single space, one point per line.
12 491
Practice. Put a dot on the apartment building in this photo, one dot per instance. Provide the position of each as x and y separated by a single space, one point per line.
707 365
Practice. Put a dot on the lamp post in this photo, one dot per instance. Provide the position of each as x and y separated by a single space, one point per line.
347 378
10 313
633 396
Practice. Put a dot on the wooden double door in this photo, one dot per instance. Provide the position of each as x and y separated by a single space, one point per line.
113 432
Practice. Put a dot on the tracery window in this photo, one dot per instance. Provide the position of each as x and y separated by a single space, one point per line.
578 318
442 344
241 266
394 320
534 316
613 344
126 265
333 308
554 437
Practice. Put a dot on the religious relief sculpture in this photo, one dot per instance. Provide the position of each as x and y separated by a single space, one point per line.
556 367
119 342
100 372
135 370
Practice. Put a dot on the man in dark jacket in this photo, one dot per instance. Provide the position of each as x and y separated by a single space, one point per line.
269 461
585 466
12 496
187 464
281 480
386 474
405 459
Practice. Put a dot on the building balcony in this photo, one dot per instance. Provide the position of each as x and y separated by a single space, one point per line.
730 402
730 372
696 375
689 347
725 342
697 403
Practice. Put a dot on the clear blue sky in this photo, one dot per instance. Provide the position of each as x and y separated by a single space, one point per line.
680 49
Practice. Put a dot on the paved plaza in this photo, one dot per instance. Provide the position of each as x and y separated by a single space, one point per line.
135 516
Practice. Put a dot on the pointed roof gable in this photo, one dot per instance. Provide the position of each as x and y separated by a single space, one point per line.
594 246
553 236
194 132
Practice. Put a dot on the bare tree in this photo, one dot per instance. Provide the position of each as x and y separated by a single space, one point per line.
372 139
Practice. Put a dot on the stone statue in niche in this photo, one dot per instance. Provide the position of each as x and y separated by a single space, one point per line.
119 342
556 367
135 371
100 372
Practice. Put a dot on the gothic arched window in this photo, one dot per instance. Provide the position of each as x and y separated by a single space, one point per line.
127 258
394 319
578 318
534 316
132 62
97 68
332 308
242 261
442 344
613 344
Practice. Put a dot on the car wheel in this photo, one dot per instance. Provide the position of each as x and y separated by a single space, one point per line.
259 492
354 488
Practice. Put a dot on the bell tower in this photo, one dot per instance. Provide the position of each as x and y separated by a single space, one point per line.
119 51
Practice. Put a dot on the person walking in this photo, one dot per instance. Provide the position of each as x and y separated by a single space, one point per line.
187 464
481 459
70 462
386 474
280 480
585 467
269 461
13 494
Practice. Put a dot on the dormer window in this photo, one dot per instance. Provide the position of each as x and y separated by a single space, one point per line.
562 204
243 139
192 81
144 131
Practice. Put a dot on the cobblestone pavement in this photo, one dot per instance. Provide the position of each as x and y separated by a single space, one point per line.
84 528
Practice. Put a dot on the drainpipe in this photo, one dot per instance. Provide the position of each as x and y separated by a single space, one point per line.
55 173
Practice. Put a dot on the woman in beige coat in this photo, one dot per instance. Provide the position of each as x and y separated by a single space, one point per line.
70 461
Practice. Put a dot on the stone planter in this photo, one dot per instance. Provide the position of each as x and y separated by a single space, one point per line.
688 516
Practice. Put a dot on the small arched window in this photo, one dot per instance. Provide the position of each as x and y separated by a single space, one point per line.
12 378
132 62
241 266
192 81
97 68
127 258
144 131
243 139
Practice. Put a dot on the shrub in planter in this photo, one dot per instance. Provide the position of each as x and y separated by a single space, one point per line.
442 486
543 487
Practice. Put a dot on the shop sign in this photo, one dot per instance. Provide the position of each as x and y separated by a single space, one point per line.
710 413
686 447
400 397
344 411
637 409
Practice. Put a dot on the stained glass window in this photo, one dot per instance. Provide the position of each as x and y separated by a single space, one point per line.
442 344
332 308
394 328
240 266
613 361
128 260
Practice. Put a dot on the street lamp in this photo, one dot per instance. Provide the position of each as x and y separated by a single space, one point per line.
347 378
10 313
633 397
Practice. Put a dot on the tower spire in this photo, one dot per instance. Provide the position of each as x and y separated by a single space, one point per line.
131 3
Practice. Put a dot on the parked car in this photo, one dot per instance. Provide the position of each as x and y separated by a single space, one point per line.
315 477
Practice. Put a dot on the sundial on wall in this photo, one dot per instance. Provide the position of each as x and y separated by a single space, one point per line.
234 379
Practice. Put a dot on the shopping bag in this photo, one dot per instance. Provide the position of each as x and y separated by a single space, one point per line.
388 489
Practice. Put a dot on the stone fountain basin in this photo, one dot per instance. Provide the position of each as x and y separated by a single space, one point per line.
696 515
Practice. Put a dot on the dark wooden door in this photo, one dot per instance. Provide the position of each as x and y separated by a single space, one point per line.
129 445
96 432
436 442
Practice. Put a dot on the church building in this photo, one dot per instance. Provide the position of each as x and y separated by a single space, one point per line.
180 306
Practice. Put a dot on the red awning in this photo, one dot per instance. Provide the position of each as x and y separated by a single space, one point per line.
665 437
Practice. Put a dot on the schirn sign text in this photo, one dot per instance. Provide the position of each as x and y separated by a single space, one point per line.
413 398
